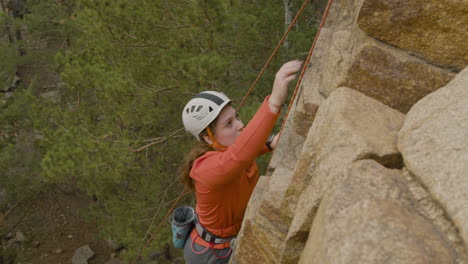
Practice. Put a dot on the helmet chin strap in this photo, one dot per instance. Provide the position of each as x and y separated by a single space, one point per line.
215 143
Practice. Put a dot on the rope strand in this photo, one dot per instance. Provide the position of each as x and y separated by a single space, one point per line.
273 54
304 69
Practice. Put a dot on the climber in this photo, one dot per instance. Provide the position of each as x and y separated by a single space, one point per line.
221 169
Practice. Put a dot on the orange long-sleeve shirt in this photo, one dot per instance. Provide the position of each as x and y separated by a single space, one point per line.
225 179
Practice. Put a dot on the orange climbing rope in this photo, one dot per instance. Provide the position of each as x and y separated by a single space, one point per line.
304 68
274 53
306 64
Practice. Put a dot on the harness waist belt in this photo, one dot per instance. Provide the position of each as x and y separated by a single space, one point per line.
207 236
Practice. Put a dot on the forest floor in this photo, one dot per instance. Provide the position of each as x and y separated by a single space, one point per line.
48 228
53 228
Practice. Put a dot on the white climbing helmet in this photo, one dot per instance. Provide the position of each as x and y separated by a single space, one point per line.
201 110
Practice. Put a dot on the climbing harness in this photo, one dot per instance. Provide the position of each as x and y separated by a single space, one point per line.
211 239
210 246
207 236
299 81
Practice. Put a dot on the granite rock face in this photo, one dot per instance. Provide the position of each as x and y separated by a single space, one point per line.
349 126
434 145
368 217
432 29
345 55
354 180
396 79
242 252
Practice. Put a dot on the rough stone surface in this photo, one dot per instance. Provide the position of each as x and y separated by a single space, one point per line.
346 56
261 238
394 78
289 146
315 209
298 233
360 127
434 145
82 255
348 126
304 118
264 228
368 218
433 29
257 196
431 210
338 43
250 213
307 104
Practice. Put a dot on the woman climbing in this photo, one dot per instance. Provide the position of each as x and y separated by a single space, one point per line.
222 169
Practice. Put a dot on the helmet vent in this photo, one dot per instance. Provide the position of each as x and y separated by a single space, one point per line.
193 108
210 109
187 110
199 107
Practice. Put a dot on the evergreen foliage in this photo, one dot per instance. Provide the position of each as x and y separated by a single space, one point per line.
127 68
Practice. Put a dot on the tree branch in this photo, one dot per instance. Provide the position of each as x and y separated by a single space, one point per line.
170 135
147 44
159 140
145 23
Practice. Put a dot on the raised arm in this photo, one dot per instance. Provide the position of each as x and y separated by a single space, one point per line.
221 167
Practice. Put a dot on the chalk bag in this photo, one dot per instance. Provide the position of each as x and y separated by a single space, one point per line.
183 221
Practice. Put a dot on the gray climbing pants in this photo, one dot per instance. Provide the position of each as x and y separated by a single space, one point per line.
204 258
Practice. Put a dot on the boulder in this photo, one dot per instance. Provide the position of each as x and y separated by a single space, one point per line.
434 145
82 255
368 217
346 56
19 237
11 82
349 126
431 210
394 77
432 29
